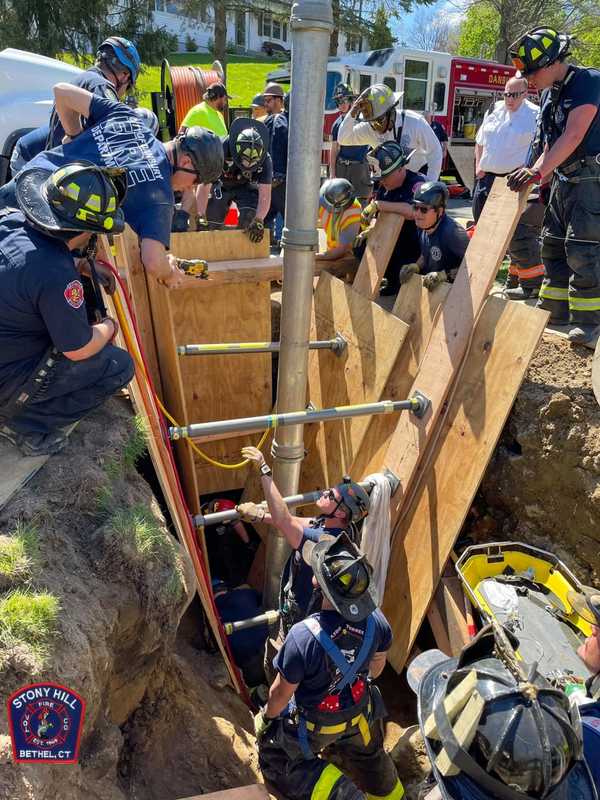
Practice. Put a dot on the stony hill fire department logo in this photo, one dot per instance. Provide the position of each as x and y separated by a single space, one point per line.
45 722
74 294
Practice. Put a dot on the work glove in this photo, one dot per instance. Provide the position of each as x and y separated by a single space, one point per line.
360 239
369 212
251 512
256 230
261 724
406 272
433 279
521 177
193 266
202 224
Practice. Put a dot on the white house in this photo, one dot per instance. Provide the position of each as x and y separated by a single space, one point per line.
248 30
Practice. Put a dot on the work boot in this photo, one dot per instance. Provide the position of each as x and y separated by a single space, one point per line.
511 282
585 334
522 293
35 444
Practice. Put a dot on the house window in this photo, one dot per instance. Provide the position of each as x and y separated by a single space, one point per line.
415 84
264 25
271 27
353 42
276 29
284 31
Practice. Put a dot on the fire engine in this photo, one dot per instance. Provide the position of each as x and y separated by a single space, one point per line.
458 91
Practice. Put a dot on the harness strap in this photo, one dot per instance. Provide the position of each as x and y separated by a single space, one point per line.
348 670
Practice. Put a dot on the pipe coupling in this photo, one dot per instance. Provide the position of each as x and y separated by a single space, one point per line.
292 453
312 15
299 239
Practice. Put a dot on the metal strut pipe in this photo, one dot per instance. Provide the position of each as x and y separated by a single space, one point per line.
221 517
337 346
311 24
417 404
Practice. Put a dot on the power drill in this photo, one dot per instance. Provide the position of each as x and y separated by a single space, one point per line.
196 267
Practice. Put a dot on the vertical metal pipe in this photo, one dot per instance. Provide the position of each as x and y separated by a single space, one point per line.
311 24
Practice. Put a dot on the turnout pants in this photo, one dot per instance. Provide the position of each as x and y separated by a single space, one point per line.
571 247
74 389
244 196
286 767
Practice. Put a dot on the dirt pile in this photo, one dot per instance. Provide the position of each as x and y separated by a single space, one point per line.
545 475
94 587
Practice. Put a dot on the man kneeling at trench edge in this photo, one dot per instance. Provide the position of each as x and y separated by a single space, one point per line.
54 366
341 508
323 694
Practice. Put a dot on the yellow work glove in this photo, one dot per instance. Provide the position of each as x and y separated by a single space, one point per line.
369 212
261 724
406 272
251 512
433 279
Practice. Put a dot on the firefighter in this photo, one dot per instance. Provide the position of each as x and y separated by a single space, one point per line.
395 195
503 142
341 508
349 162
443 241
115 135
374 119
323 695
54 367
339 216
114 73
571 129
527 742
246 180
277 125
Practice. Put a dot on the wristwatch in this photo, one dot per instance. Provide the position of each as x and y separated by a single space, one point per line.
265 469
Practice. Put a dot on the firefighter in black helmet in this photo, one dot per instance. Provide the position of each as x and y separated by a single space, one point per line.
348 161
54 367
570 125
528 739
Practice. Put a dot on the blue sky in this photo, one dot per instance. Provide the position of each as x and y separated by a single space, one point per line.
401 27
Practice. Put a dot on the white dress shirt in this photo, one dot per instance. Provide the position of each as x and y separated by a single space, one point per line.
505 137
417 134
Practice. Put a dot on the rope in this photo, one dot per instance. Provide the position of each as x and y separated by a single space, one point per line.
189 84
142 367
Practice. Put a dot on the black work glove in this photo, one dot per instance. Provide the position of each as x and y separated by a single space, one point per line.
521 177
256 230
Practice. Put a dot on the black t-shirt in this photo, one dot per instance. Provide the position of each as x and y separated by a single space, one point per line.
581 87
94 80
444 248
277 125
116 137
41 300
233 176
408 248
439 131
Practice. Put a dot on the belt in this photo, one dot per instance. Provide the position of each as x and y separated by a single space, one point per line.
330 730
572 166
346 161
496 174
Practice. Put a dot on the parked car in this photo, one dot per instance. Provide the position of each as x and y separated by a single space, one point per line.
275 49
26 81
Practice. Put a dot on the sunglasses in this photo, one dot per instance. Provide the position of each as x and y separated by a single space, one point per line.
514 95
423 209
343 101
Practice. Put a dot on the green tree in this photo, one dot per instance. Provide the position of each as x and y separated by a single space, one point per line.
381 35
479 32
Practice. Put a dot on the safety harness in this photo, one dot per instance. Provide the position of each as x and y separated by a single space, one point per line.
350 717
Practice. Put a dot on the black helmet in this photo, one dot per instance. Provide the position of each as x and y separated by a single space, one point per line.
528 740
538 48
354 499
248 143
337 194
206 151
149 119
343 92
117 52
79 197
432 193
390 157
343 574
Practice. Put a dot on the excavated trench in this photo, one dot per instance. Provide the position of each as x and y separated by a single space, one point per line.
162 722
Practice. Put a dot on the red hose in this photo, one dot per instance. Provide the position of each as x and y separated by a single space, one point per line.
188 516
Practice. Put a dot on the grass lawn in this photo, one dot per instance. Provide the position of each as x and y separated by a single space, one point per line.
246 75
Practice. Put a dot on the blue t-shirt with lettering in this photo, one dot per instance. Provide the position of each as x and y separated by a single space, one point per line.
116 137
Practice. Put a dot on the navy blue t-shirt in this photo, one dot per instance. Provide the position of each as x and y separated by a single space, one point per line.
243 603
94 80
444 248
408 248
116 137
583 88
277 125
33 142
302 660
41 301
348 152
439 131
302 587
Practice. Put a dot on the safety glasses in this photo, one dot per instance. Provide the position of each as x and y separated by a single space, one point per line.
514 95
343 101
423 209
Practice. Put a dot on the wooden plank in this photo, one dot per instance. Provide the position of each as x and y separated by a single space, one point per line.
451 334
359 375
380 246
418 308
437 623
463 157
128 259
493 370
243 271
451 596
254 792
228 245
16 470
